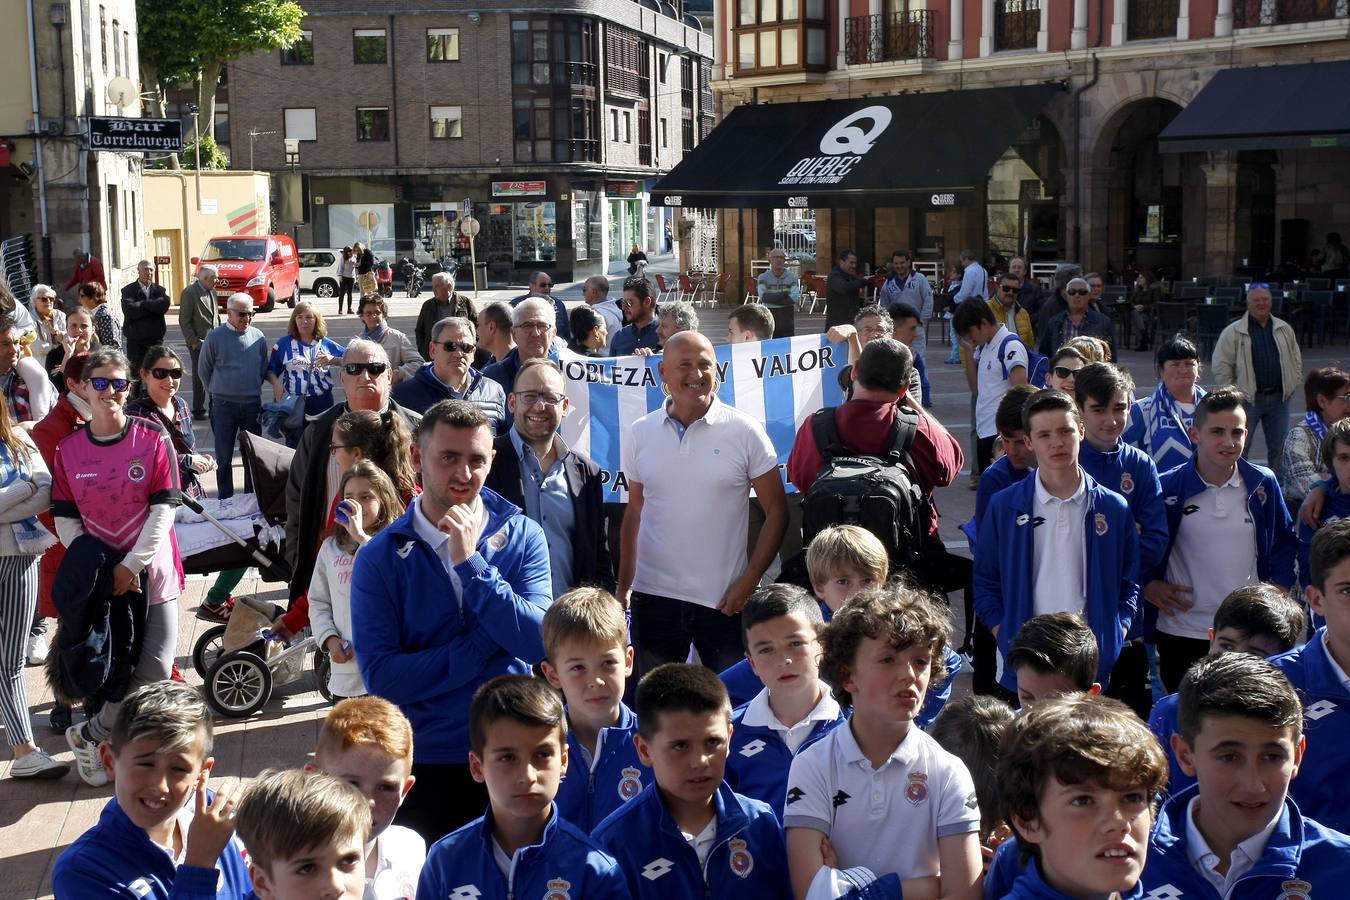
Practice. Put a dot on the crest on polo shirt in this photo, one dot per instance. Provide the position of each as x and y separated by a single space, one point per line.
1296 890
136 471
630 783
742 863
558 890
1099 522
497 541
917 790
1126 483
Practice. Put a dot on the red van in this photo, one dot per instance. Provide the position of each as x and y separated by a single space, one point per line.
266 267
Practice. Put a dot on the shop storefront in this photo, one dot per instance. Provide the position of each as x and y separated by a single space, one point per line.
626 222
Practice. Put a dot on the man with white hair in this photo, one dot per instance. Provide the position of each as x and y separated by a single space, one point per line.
1079 320
234 365
443 304
198 313
541 287
144 303
533 328
595 291
451 376
366 385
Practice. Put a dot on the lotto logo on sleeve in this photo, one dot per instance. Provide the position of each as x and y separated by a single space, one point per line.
754 747
1164 892
656 868
742 863
466 892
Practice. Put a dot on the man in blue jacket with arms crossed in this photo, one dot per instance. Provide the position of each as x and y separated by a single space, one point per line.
450 595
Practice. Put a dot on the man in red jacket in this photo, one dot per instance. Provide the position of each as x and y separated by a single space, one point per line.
87 268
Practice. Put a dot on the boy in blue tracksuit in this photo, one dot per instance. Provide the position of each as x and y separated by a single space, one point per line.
1058 542
1335 455
590 661
450 594
1227 526
1241 738
1318 672
1256 618
795 708
522 847
158 758
688 834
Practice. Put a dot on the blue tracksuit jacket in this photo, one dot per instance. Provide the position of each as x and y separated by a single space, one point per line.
1321 789
1131 473
1299 851
420 649
1003 870
1030 886
587 796
748 859
566 863
1005 568
1335 506
998 476
1275 542
743 684
759 760
1163 723
117 858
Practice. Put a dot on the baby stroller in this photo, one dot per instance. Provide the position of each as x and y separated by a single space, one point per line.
241 662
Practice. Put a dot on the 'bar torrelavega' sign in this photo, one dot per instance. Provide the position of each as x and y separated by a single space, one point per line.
135 135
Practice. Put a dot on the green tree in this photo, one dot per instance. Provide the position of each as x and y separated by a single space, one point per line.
189 41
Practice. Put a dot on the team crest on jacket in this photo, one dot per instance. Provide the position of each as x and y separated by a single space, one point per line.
136 471
1261 495
1100 523
558 890
1126 483
497 541
917 790
742 863
630 784
1296 890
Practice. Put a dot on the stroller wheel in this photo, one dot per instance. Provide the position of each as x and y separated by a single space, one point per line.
208 649
322 667
239 684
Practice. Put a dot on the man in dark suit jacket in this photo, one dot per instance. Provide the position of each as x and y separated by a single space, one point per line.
144 304
556 486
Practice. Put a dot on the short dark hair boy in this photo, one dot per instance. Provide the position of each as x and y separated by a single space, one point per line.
684 729
519 734
1053 654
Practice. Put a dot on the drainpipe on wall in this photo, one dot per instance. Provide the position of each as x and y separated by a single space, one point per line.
37 156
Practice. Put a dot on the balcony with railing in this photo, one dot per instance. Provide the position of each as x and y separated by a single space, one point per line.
883 38
1256 13
1150 19
1016 24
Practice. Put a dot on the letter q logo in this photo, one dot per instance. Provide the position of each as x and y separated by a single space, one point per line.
845 137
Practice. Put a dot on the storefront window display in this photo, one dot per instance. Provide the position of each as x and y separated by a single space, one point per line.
585 225
536 230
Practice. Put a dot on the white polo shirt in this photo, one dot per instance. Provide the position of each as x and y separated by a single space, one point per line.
695 499
759 714
1214 553
887 819
991 384
1060 583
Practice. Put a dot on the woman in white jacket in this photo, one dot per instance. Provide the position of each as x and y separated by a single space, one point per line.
369 503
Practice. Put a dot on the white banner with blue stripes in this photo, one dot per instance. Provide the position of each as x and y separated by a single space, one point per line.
779 383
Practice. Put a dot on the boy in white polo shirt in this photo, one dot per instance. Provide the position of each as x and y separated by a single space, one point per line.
1001 362
1215 501
1057 542
690 467
897 813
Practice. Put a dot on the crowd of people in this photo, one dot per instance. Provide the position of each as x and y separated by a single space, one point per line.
533 702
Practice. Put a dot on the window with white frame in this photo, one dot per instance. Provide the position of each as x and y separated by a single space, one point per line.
442 44
447 122
370 45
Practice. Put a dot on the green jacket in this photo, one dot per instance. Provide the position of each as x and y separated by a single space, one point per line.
198 312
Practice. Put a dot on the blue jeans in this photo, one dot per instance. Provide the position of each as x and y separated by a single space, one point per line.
228 419
927 393
1272 411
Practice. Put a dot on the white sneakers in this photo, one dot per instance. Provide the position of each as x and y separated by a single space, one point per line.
87 760
39 764
37 649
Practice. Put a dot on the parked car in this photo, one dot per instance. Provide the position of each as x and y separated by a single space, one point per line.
319 271
266 267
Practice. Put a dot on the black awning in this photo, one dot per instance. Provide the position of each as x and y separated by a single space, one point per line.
1266 108
918 150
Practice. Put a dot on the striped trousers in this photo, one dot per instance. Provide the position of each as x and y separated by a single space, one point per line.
18 600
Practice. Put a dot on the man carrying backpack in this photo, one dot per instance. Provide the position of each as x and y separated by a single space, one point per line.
881 416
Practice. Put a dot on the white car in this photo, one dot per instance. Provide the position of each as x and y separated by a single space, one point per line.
319 271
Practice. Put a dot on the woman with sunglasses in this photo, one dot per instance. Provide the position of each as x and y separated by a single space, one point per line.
117 481
1160 424
1063 365
300 363
162 375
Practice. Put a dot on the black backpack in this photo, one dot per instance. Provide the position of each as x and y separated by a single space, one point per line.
877 493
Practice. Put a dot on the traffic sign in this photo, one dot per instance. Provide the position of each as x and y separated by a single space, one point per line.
469 226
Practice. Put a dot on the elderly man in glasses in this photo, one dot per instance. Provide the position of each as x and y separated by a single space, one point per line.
451 376
558 487
541 288
233 367
1079 320
534 331
312 481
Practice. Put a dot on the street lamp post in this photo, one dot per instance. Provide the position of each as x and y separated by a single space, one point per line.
197 148
293 161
